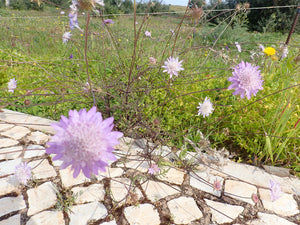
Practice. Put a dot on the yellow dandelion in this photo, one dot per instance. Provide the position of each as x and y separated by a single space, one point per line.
81 35
269 51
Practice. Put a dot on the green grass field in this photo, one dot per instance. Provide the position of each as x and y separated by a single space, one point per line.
143 99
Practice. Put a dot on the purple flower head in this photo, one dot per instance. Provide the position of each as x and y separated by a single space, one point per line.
23 173
71 56
217 185
172 66
12 85
254 198
153 169
85 141
275 190
246 79
66 36
107 22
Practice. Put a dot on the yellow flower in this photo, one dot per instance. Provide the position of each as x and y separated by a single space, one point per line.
269 51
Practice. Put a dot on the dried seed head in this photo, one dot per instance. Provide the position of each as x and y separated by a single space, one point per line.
238 7
246 5
27 102
86 5
156 122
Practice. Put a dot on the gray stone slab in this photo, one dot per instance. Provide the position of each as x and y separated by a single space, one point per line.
47 218
7 142
34 151
158 190
81 214
285 205
5 126
8 167
38 137
41 198
184 210
8 185
16 132
11 152
265 219
42 169
92 193
173 175
68 180
13 220
34 122
240 190
142 214
223 213
11 204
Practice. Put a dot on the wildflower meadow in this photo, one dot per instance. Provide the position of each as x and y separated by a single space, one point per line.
163 78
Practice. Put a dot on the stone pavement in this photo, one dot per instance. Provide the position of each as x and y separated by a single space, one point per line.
127 193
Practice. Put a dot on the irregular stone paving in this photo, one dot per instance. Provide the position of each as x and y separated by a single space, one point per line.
126 193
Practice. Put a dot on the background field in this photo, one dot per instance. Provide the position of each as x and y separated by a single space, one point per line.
143 100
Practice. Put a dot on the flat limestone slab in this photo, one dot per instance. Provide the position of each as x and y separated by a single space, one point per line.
143 214
34 122
41 198
47 218
11 204
14 220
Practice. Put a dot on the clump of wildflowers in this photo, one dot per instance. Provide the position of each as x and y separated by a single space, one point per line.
172 66
154 169
246 80
85 141
269 51
12 85
23 173
275 190
205 108
66 37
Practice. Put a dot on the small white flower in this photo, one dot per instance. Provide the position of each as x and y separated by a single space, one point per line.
66 37
205 108
285 51
62 13
238 46
172 66
12 84
148 33
262 48
100 2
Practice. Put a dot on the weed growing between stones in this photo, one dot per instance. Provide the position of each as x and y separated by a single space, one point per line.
164 89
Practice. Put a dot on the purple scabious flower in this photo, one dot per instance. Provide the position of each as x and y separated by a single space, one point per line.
12 85
23 173
153 169
275 190
172 66
246 79
107 22
85 141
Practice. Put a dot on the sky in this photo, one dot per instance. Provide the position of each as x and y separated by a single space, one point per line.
176 2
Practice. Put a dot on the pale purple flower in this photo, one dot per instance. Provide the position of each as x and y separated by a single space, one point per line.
73 17
148 33
238 46
246 79
205 108
152 60
85 141
254 198
172 31
285 51
62 13
107 22
86 87
275 190
172 66
153 169
12 85
217 185
66 36
261 47
23 173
